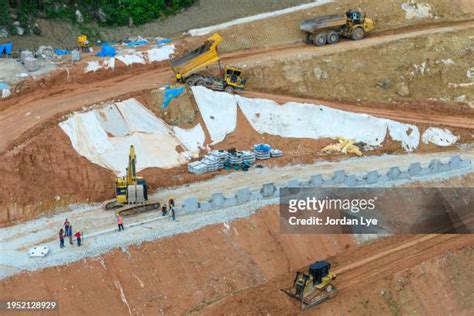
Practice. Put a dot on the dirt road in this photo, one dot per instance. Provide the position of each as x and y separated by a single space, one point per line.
28 112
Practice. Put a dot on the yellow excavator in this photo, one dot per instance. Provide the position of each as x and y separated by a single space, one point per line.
313 285
131 191
188 68
83 43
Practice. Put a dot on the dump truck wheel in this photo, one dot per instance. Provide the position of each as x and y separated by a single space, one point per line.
320 39
309 38
358 34
229 89
200 83
333 37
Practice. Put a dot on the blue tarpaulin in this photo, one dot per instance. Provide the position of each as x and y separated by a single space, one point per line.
4 86
58 51
106 51
6 48
262 148
162 41
137 43
170 94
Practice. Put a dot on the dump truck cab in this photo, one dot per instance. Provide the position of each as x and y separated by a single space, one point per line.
233 77
357 19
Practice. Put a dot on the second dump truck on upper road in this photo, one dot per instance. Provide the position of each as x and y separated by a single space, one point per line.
328 29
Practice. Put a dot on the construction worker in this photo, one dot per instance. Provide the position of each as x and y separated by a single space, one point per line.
69 233
163 210
173 215
171 202
78 238
61 238
66 227
120 222
179 78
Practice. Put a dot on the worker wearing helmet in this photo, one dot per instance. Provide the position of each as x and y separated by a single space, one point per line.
179 78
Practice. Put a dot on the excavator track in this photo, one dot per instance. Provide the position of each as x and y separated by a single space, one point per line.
130 210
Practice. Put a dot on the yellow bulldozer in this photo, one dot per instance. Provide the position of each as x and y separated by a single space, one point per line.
188 68
328 29
313 285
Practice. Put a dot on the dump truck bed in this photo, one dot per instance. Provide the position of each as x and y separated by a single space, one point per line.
198 58
321 22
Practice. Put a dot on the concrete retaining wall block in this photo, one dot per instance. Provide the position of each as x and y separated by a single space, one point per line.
350 181
230 202
394 173
372 177
414 169
339 177
243 195
268 190
434 166
190 205
316 181
294 183
455 161
217 200
205 206
361 182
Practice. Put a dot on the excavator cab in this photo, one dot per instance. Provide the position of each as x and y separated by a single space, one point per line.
233 77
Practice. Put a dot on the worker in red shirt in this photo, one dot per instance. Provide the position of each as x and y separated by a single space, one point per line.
120 222
78 238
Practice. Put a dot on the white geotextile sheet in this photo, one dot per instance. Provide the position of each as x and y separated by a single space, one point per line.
104 137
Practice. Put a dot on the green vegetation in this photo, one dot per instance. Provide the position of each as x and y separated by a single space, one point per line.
102 12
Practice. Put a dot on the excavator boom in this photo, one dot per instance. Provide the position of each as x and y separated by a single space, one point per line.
131 170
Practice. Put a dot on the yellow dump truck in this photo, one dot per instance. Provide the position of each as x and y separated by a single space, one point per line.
188 68
328 29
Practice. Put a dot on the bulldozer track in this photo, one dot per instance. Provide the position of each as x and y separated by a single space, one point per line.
406 255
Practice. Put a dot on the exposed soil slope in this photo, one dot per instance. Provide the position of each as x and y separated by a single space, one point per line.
430 67
429 274
175 274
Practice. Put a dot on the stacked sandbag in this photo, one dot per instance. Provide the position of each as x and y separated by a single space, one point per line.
212 163
262 151
218 159
276 153
197 167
